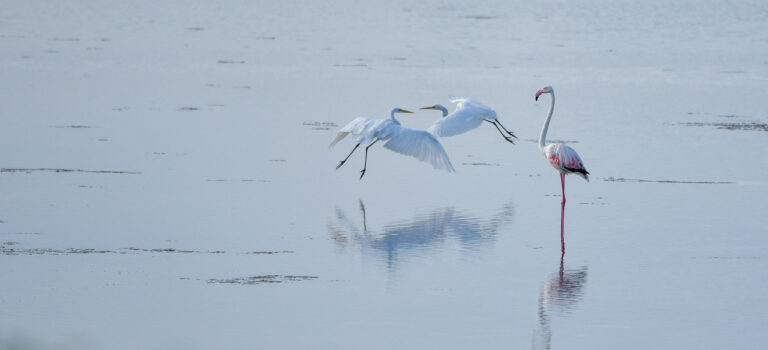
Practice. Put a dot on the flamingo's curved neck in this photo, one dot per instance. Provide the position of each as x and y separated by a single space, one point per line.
543 136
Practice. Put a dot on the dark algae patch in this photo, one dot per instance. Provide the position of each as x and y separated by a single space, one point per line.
621 179
6 249
172 250
74 126
61 170
752 126
320 125
262 279
733 122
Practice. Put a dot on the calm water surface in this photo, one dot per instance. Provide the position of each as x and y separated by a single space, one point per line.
167 184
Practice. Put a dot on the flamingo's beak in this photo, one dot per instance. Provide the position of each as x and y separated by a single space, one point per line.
538 93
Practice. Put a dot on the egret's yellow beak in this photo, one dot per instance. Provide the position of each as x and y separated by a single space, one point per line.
405 111
430 107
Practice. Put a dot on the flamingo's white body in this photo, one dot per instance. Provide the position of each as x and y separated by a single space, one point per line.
565 160
469 114
411 142
560 156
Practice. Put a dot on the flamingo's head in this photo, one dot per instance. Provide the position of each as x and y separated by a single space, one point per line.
545 90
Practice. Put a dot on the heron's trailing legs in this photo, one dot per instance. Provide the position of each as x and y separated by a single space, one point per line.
345 159
365 164
507 136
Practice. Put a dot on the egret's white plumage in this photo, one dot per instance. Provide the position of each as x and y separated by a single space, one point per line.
411 142
469 114
560 156
419 144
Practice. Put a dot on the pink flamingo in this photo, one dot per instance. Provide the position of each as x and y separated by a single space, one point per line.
560 156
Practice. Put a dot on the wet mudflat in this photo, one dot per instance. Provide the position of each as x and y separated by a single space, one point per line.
166 181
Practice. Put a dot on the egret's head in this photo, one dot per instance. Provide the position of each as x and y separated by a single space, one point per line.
545 90
400 110
439 108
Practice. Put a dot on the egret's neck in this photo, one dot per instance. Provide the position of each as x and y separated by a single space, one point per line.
393 116
444 110
543 136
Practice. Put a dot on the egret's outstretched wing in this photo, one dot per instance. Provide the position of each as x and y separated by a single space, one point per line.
421 145
469 114
456 123
355 127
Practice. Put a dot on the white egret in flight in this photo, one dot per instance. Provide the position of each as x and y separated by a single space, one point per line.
468 115
560 156
410 142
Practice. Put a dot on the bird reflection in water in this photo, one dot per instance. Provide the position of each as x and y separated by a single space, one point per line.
559 295
428 231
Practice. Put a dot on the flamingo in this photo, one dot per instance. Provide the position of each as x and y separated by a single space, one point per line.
561 157
410 142
468 115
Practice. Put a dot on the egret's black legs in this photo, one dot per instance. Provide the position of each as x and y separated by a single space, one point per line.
505 129
365 164
506 137
345 159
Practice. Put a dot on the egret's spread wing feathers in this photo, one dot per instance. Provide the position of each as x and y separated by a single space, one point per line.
469 114
458 100
339 136
421 145
458 122
355 127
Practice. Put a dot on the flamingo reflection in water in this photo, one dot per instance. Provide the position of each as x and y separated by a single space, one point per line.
559 295
422 232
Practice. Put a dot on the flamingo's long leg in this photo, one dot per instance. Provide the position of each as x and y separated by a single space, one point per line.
562 227
562 215
562 183
345 159
365 164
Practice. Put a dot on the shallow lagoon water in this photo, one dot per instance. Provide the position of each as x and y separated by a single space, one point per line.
166 181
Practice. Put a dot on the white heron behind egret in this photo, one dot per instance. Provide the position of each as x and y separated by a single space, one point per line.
469 114
410 142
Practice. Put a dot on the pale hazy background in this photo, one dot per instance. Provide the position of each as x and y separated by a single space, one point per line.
166 182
